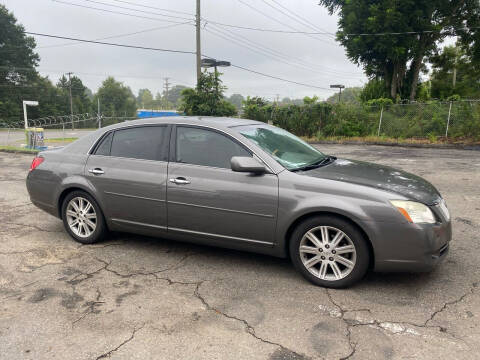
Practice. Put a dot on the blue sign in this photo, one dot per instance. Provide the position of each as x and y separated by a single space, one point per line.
155 113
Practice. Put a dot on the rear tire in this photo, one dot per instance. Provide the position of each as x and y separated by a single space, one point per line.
82 217
329 251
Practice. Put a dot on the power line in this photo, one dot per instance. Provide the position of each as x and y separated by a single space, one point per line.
312 25
287 14
251 28
153 7
275 58
345 34
173 51
110 44
185 13
279 78
276 55
244 45
120 35
116 12
282 23
131 9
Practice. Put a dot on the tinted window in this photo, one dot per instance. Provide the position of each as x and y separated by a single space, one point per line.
104 146
207 148
140 143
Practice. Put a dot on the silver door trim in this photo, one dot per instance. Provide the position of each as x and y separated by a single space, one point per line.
133 196
139 224
221 209
221 236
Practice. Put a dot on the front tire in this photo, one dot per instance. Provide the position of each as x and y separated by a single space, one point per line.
82 217
329 251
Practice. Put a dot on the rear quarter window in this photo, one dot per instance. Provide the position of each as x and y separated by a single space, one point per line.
105 144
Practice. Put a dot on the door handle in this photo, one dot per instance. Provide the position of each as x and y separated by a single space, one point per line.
96 171
179 181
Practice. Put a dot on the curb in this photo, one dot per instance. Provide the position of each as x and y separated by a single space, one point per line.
19 151
426 146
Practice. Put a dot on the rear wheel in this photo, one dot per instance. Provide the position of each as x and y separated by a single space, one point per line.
83 218
329 251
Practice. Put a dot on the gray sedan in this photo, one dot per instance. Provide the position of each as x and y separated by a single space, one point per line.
245 185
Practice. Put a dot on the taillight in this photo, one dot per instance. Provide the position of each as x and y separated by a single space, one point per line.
37 161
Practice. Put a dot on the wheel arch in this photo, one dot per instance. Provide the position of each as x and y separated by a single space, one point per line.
69 190
354 223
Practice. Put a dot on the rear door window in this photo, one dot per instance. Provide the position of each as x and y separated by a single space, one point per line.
146 143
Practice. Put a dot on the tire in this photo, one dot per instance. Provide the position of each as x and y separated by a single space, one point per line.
83 231
334 270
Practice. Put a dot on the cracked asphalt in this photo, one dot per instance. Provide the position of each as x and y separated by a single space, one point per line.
132 297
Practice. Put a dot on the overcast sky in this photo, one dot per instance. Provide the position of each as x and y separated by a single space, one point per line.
311 59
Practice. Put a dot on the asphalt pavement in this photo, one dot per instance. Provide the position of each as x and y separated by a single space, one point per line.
132 297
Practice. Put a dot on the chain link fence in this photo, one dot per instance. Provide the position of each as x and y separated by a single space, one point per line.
53 131
457 120
460 119
450 120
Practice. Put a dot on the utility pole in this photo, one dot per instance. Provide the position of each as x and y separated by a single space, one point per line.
339 87
454 80
71 100
277 98
99 117
166 87
199 49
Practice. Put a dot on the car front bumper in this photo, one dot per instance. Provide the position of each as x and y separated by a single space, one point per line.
411 247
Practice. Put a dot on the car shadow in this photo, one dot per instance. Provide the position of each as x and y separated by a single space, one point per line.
410 282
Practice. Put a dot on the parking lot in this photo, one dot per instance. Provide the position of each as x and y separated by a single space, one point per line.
132 297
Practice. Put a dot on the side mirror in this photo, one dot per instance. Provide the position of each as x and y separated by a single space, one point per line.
247 164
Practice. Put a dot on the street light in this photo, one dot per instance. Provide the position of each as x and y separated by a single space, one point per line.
340 87
208 63
25 104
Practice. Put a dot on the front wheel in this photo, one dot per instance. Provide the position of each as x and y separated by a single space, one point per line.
83 218
329 251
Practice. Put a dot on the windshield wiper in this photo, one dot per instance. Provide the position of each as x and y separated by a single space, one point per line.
322 162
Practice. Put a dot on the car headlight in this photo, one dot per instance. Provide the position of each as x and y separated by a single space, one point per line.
414 212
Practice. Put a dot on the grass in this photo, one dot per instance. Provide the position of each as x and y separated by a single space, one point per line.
56 140
17 148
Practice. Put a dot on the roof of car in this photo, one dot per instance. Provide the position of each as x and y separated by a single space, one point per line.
83 144
194 120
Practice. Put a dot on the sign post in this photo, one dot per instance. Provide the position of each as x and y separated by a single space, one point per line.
25 104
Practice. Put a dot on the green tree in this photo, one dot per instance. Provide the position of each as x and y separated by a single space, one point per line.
374 89
116 98
80 96
17 65
257 108
236 100
457 62
398 59
175 95
145 99
310 100
349 96
207 99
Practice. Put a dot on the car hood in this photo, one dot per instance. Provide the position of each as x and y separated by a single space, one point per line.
378 176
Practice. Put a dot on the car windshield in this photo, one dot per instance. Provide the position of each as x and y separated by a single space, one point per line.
287 149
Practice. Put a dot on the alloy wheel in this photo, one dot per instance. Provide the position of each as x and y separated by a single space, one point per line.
81 217
328 253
